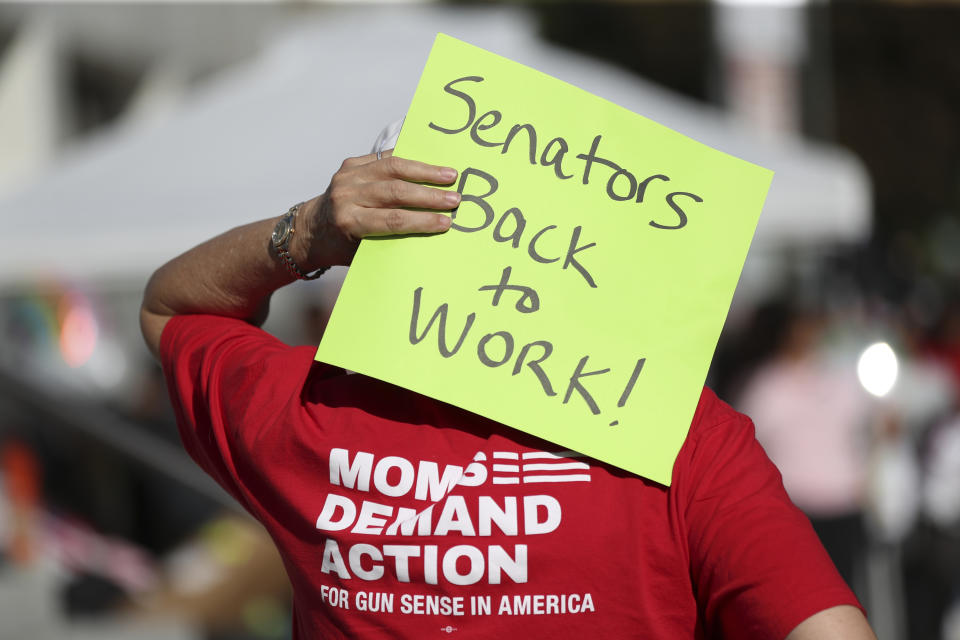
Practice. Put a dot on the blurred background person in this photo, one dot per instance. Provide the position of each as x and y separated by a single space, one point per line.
812 418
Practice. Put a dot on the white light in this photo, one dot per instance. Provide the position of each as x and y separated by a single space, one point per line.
877 369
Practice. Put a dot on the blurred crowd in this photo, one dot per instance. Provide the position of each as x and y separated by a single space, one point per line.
861 416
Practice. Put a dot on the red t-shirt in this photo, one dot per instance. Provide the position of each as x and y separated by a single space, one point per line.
398 516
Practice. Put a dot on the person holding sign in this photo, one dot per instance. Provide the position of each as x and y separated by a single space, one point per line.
399 516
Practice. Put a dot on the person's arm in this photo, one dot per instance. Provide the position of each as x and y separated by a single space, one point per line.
235 273
837 623
758 568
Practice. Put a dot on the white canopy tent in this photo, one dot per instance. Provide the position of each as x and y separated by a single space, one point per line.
267 133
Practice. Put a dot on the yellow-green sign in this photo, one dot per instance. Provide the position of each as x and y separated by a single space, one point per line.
581 290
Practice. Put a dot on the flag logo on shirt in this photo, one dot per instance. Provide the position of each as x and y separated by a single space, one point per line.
533 467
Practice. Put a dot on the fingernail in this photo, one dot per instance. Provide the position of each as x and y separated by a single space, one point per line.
448 174
451 198
444 223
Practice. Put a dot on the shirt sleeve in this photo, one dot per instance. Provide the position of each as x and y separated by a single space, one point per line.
229 383
758 568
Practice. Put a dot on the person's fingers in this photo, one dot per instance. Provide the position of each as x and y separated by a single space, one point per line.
390 166
384 222
412 170
398 193
369 158
370 196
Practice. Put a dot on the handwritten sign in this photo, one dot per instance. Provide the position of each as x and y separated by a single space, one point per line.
581 290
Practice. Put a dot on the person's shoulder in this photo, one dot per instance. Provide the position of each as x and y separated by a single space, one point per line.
188 333
211 324
713 413
184 331
203 345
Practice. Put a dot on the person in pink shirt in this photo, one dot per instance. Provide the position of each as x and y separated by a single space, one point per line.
813 421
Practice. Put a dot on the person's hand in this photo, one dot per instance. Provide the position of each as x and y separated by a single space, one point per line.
374 197
234 274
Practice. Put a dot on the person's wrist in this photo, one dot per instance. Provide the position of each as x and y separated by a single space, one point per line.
291 240
305 240
325 242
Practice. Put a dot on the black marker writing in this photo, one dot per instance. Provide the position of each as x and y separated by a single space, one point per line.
529 300
576 385
441 312
513 220
621 184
